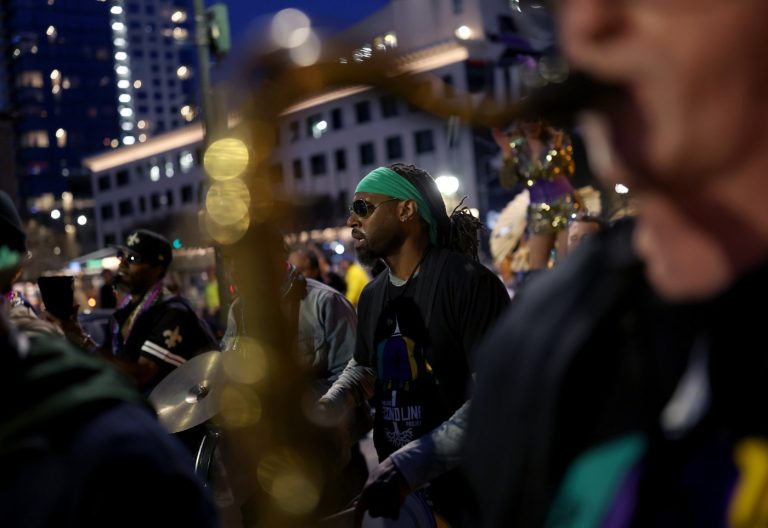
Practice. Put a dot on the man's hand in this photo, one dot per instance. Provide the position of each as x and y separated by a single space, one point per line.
73 330
383 494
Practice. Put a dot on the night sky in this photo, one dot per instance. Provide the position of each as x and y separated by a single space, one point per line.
333 14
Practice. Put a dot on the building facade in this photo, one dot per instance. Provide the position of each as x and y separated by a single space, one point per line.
328 142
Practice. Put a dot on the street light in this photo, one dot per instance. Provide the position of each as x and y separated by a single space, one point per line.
447 184
55 214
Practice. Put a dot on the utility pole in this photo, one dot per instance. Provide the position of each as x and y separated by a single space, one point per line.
214 126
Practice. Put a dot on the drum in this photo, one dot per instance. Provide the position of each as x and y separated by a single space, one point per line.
204 461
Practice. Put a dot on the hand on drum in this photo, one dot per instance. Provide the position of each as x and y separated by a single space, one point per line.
383 494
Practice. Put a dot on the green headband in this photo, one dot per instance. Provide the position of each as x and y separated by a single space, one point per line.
389 183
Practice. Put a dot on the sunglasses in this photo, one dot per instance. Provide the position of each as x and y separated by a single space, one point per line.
130 258
363 209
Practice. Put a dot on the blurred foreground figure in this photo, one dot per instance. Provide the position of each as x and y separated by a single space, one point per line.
625 389
78 446
418 323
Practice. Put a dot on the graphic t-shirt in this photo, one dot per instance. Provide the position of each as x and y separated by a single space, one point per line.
419 339
408 403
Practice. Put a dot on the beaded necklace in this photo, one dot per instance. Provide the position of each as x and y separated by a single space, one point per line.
149 300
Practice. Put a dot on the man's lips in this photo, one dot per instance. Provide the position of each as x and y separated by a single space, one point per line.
359 238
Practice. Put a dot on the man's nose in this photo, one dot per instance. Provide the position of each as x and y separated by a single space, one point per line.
353 220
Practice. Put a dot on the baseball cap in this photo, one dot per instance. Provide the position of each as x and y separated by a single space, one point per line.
149 246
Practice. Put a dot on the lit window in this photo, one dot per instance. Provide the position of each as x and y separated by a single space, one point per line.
118 26
126 112
169 169
116 10
136 84
35 139
142 138
123 84
52 33
154 173
142 124
129 140
183 72
32 79
61 138
179 16
122 70
186 161
55 74
121 55
180 33
124 98
127 126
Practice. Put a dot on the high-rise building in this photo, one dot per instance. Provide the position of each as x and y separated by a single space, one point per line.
82 76
155 62
60 89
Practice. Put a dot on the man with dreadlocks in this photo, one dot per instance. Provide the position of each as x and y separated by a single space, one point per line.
418 324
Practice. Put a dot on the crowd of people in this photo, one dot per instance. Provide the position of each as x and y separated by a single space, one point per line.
608 376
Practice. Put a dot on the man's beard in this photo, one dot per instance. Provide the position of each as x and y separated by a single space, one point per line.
367 257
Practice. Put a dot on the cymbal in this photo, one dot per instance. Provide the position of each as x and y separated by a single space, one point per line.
187 396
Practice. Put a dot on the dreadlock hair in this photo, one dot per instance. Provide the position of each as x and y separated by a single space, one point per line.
458 232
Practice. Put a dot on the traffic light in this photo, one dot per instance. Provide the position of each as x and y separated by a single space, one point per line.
218 29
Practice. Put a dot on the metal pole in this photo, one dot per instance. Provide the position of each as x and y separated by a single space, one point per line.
213 126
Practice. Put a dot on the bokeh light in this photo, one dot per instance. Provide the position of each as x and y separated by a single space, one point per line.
226 159
290 28
283 474
246 362
240 406
225 234
307 53
227 202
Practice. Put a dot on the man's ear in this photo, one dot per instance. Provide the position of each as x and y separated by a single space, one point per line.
409 209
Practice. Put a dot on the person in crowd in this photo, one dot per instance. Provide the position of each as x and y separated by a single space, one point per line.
78 446
153 331
355 277
583 226
627 386
311 263
542 158
327 322
418 324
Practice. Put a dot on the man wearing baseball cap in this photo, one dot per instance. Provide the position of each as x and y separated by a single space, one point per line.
152 331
